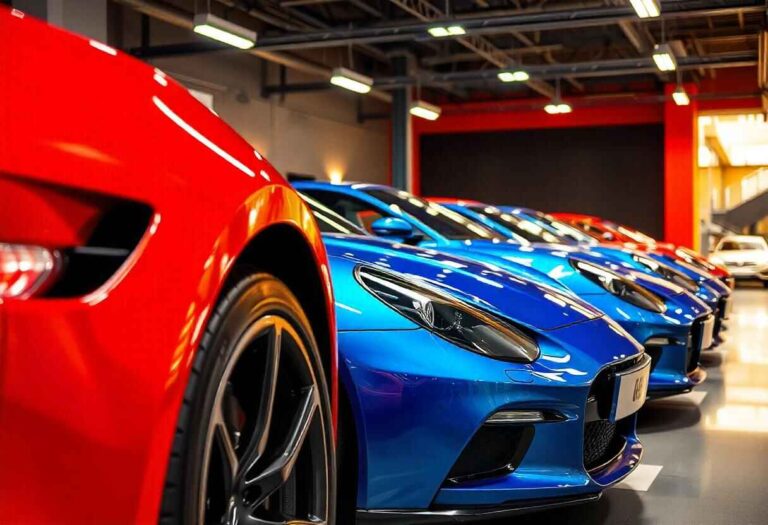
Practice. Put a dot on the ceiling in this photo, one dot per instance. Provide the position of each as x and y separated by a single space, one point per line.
587 47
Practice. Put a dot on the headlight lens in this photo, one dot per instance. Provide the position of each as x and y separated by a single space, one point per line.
670 274
621 287
449 318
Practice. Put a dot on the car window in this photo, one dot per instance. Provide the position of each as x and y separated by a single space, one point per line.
330 221
528 230
360 213
450 224
741 245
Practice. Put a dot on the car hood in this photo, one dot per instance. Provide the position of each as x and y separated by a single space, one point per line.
745 256
531 304
554 261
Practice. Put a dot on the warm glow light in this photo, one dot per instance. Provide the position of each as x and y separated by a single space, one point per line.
224 31
646 8
513 76
681 97
336 176
425 110
442 31
348 79
664 58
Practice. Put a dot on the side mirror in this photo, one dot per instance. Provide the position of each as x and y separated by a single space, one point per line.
392 227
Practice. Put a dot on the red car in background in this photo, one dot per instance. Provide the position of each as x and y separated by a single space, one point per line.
167 347
609 232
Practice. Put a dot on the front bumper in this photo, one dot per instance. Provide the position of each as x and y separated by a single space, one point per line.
404 385
675 367
742 273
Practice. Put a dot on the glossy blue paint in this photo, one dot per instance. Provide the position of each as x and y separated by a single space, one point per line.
671 372
418 400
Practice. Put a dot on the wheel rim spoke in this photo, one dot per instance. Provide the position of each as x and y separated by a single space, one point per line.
258 442
263 418
273 477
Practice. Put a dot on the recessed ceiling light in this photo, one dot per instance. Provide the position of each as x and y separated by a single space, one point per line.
646 8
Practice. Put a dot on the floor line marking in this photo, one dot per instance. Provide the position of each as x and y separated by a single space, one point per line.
641 479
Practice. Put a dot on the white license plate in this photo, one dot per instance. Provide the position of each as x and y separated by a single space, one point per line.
707 334
728 307
631 390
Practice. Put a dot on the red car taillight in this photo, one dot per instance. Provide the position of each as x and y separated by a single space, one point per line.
24 269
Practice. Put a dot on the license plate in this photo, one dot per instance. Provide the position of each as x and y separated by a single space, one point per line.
631 390
707 333
728 308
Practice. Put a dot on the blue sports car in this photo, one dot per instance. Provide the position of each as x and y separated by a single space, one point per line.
469 392
673 324
536 226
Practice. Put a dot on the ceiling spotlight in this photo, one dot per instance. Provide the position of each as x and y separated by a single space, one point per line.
664 57
646 8
348 79
557 107
224 31
444 31
425 110
513 76
680 97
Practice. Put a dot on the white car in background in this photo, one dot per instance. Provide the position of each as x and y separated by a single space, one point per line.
746 256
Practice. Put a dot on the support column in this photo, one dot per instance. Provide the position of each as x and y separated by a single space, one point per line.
402 176
86 17
680 154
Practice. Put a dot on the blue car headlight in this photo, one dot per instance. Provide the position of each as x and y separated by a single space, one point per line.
621 287
449 318
668 273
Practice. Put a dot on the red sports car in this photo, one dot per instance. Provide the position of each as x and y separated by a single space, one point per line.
167 347
610 232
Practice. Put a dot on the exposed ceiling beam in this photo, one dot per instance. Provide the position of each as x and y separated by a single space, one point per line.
473 57
481 46
604 68
524 21
180 18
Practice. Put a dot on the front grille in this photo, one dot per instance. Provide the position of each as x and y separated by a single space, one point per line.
604 440
694 345
602 443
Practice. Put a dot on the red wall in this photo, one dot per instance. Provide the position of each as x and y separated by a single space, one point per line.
739 91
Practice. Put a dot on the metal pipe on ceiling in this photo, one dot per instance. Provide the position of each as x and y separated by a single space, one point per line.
180 18
525 21
604 68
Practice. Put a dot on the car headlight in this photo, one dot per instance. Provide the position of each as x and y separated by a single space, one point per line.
449 318
620 286
668 273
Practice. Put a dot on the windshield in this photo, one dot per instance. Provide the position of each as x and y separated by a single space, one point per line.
563 229
634 235
331 222
530 231
447 223
741 245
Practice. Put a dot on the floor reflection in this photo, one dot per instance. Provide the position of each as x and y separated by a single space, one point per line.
712 444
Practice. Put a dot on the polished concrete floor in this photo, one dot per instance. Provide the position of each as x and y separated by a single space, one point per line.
706 453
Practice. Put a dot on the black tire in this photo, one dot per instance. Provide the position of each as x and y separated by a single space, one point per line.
254 434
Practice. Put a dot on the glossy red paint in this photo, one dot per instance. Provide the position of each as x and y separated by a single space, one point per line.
90 387
626 237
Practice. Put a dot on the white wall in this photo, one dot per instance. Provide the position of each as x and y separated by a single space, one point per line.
310 133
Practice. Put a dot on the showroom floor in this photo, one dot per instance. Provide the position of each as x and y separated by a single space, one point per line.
706 453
